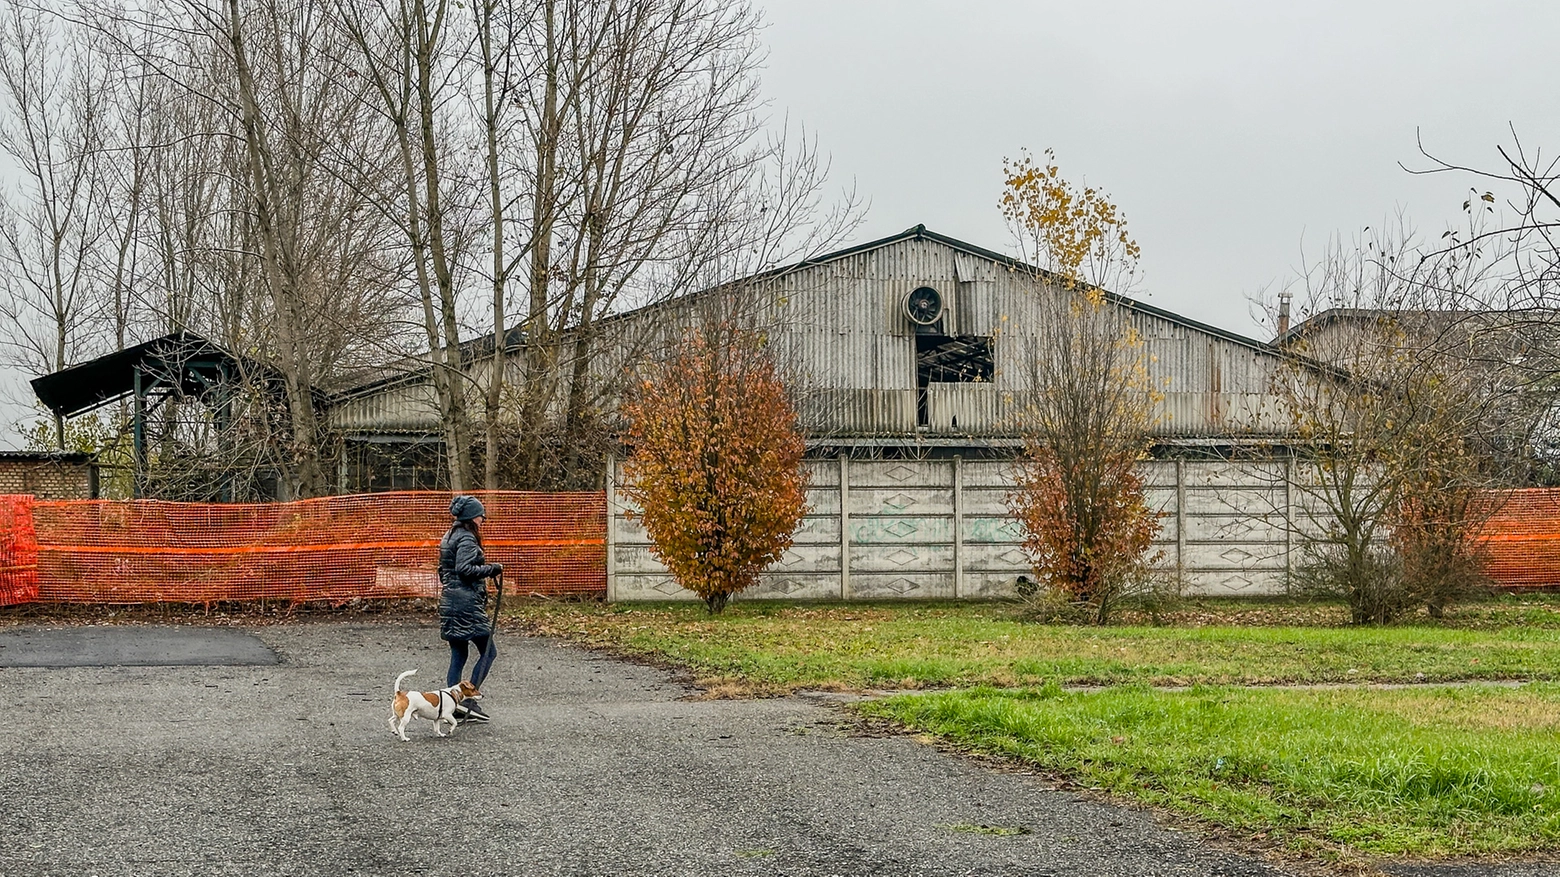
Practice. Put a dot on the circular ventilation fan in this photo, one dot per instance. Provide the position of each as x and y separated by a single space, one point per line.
924 306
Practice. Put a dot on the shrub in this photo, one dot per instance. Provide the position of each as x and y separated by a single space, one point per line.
716 462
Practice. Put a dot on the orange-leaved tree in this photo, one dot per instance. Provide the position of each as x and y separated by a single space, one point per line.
1090 400
716 462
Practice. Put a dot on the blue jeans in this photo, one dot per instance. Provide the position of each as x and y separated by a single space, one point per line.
460 649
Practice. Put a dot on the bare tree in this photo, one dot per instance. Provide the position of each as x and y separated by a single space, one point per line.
1090 402
1406 412
126 160
413 54
640 118
579 158
54 94
1514 211
254 237
496 23
622 163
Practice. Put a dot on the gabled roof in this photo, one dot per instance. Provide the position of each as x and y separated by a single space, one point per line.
483 345
921 232
1333 316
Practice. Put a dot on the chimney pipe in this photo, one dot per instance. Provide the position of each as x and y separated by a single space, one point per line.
1283 313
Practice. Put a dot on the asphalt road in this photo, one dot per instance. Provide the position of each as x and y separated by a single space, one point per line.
591 766
93 646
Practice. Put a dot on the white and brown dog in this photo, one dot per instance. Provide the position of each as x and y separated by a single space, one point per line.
436 705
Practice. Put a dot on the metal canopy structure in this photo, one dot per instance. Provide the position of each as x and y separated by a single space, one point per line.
180 364
181 361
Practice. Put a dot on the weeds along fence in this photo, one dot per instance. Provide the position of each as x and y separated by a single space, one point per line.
334 549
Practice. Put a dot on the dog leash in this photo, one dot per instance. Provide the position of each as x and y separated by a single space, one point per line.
498 600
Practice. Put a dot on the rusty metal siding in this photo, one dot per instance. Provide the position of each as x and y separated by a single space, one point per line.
849 361
966 409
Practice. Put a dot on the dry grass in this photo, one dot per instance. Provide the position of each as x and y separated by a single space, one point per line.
1526 709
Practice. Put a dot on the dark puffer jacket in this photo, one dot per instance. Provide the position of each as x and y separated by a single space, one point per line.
462 572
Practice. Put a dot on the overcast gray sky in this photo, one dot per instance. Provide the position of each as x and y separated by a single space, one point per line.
1228 132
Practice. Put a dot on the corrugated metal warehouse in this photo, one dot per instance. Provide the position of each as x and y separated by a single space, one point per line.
908 454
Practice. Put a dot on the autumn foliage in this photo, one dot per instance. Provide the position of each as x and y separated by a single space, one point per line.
1090 400
1078 235
1086 543
716 462
1078 492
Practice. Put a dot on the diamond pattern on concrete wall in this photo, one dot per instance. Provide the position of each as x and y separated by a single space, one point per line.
901 586
902 557
900 529
1013 556
900 473
787 586
1237 555
668 587
899 501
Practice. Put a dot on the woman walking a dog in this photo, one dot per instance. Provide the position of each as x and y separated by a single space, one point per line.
463 620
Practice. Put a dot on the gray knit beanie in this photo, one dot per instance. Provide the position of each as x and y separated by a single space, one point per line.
465 508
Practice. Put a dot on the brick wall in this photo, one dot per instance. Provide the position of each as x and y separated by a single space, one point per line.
47 478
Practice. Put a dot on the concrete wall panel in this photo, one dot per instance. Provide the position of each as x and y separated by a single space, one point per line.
900 529
905 559
908 586
900 501
1221 532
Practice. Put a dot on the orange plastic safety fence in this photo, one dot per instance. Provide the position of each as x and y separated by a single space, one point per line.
18 551
1522 539
331 549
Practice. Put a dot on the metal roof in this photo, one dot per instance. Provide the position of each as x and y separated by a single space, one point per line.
921 232
89 384
483 345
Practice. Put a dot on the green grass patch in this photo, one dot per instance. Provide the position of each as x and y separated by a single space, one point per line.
777 647
1424 772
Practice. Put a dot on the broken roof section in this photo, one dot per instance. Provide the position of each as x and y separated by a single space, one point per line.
183 360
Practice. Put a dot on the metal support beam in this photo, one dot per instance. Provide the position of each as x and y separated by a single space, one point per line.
1289 520
844 526
224 419
611 490
139 434
1180 524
